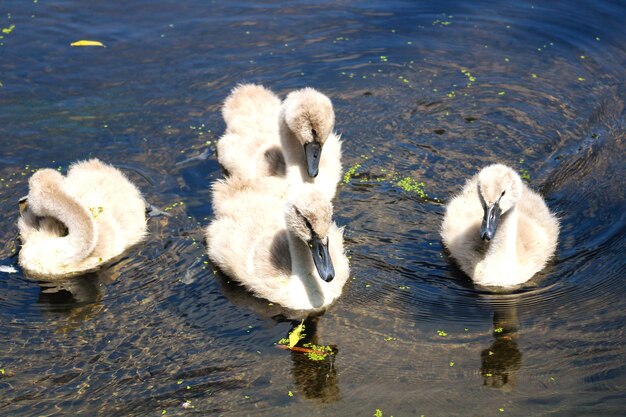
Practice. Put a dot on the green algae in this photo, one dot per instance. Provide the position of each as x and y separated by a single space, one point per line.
411 185
350 172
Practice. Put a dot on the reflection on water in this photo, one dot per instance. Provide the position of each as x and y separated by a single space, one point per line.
501 360
315 379
67 303
423 92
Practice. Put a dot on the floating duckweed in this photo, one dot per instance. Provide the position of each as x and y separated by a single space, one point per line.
533 75
174 205
581 78
389 338
383 58
442 333
525 175
498 330
378 413
451 363
319 352
350 172
290 394
410 185
469 76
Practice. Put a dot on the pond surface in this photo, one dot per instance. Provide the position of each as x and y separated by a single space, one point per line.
423 92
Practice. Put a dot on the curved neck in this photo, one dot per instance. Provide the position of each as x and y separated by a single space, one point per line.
303 269
48 198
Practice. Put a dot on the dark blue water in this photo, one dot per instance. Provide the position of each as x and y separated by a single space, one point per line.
424 92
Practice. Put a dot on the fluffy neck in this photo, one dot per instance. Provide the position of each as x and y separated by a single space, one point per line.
295 158
305 284
499 266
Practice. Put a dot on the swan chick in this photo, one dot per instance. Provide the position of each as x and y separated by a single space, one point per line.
286 250
499 231
74 224
311 149
250 146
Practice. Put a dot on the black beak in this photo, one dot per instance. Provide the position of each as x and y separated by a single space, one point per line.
313 151
321 258
490 222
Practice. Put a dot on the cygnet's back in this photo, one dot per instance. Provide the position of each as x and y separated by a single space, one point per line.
250 146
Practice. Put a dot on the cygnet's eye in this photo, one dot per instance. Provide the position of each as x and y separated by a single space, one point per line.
501 195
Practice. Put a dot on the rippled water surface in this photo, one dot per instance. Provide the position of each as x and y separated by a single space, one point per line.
424 92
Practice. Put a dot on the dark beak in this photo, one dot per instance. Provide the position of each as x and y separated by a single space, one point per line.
23 204
321 258
313 151
490 222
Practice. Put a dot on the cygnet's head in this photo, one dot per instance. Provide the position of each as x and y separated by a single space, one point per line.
310 116
309 216
499 189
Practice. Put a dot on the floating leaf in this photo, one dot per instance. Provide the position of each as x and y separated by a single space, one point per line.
87 43
296 335
8 30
